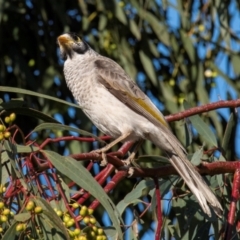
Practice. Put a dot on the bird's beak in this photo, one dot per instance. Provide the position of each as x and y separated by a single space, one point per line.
65 41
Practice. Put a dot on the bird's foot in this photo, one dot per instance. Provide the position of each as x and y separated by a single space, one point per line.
130 160
128 164
102 152
128 169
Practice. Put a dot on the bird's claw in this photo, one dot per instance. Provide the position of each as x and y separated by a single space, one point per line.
101 152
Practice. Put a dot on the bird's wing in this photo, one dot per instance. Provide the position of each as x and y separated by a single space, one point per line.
114 78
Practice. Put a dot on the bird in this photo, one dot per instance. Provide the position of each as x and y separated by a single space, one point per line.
119 108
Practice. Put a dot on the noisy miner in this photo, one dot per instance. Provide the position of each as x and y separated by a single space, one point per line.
118 107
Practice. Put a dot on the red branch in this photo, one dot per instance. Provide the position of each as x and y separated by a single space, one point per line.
204 169
232 210
159 210
201 109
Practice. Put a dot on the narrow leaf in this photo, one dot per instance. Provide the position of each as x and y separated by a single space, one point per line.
140 190
51 214
22 217
236 63
11 232
119 14
188 46
188 132
35 94
202 128
59 126
134 29
196 158
78 173
32 113
110 232
228 132
148 67
159 29
50 230
26 149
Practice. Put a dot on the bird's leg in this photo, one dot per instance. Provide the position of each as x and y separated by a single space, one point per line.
110 145
130 159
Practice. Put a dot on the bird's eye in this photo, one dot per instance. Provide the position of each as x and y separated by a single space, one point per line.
76 38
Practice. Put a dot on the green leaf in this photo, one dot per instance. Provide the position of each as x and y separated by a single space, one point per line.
148 67
102 22
49 228
4 174
169 95
18 106
78 173
12 153
119 14
228 132
153 49
134 29
202 128
121 206
188 46
26 149
61 127
140 190
13 103
219 11
159 29
166 184
85 23
65 188
54 219
198 74
22 217
32 113
196 158
35 94
236 63
220 180
11 232
188 132
110 232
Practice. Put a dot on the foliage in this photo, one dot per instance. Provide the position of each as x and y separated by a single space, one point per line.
175 50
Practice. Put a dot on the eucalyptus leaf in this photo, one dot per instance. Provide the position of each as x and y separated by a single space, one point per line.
73 169
119 14
202 128
134 29
32 93
58 126
228 132
32 113
54 219
11 232
148 67
196 158
22 217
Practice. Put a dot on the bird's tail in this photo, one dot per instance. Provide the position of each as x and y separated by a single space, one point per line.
195 182
177 156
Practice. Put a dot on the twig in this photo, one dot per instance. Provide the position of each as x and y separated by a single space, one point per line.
232 209
159 210
202 109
